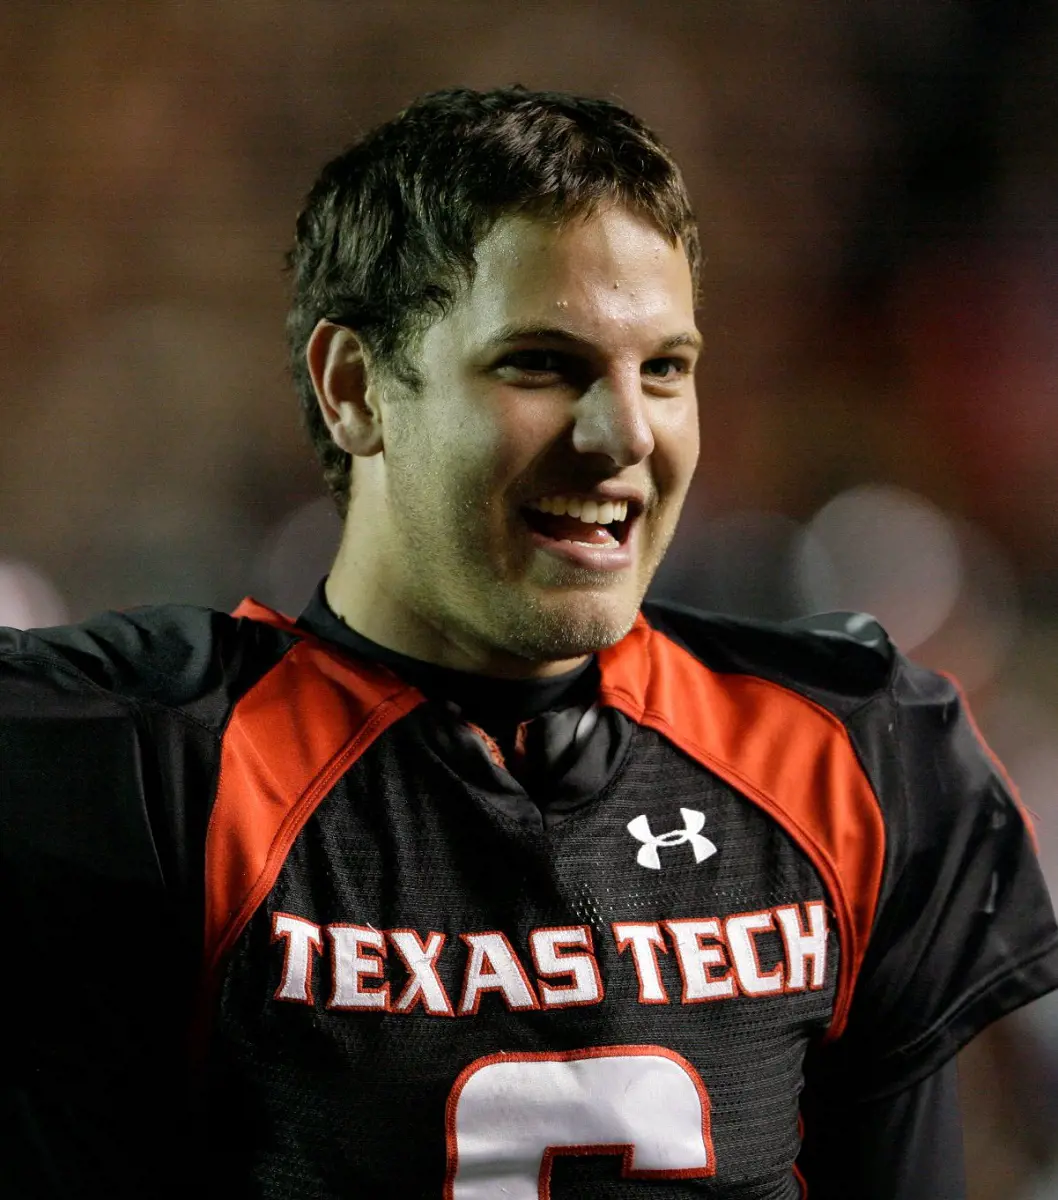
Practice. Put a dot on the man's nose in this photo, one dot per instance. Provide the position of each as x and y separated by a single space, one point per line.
612 419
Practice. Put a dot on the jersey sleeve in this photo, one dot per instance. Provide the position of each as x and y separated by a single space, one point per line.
73 794
109 736
964 930
88 878
107 748
907 1145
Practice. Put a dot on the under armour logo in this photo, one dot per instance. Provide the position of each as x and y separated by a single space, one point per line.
693 821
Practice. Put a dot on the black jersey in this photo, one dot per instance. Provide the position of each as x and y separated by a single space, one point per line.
250 875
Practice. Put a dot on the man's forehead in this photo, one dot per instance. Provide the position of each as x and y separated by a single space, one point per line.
612 267
609 238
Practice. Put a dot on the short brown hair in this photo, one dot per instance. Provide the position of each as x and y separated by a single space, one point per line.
388 233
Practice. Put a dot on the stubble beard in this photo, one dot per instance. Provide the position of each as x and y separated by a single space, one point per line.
455 585
517 618
569 628
583 620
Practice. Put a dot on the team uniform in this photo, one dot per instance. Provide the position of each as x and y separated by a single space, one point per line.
290 915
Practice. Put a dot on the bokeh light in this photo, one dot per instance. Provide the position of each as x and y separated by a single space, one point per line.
882 550
28 599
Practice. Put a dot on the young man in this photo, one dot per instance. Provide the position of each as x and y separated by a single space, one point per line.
479 880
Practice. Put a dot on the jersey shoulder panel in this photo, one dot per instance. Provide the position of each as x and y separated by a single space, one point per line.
286 745
840 660
195 660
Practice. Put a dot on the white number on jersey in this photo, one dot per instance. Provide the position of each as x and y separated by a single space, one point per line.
508 1115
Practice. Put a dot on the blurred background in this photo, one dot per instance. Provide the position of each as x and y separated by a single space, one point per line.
877 184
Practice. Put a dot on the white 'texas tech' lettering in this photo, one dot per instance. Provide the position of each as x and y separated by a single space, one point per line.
645 941
424 985
803 947
494 967
551 956
739 932
356 954
698 958
302 938
715 958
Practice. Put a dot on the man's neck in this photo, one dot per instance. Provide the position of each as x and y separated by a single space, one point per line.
488 701
376 616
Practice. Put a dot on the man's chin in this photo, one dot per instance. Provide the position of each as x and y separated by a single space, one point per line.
554 631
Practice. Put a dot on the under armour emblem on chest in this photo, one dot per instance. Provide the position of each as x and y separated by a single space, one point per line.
693 821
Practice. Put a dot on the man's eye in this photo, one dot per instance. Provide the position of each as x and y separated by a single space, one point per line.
666 369
533 362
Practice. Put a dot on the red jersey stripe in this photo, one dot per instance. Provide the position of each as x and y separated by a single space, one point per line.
787 754
289 739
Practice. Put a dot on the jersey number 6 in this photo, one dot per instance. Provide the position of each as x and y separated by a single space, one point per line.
508 1115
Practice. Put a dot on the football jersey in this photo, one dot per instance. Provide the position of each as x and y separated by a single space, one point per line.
278 928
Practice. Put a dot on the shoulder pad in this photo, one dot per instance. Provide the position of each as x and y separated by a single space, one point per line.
861 628
847 654
171 654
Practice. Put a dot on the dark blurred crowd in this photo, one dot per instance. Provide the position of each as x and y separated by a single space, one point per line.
877 185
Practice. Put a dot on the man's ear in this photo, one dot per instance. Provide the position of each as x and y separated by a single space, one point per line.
340 373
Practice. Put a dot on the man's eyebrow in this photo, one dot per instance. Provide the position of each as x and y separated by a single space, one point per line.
692 339
533 333
553 333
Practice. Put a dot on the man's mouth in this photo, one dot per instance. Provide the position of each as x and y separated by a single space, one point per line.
579 519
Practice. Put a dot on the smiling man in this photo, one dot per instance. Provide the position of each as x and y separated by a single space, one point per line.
483 878
539 464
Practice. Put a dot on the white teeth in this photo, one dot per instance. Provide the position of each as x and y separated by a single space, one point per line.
591 512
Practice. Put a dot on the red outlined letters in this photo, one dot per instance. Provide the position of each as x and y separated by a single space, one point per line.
645 940
493 966
424 985
740 934
553 966
801 946
357 952
700 951
301 939
551 951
